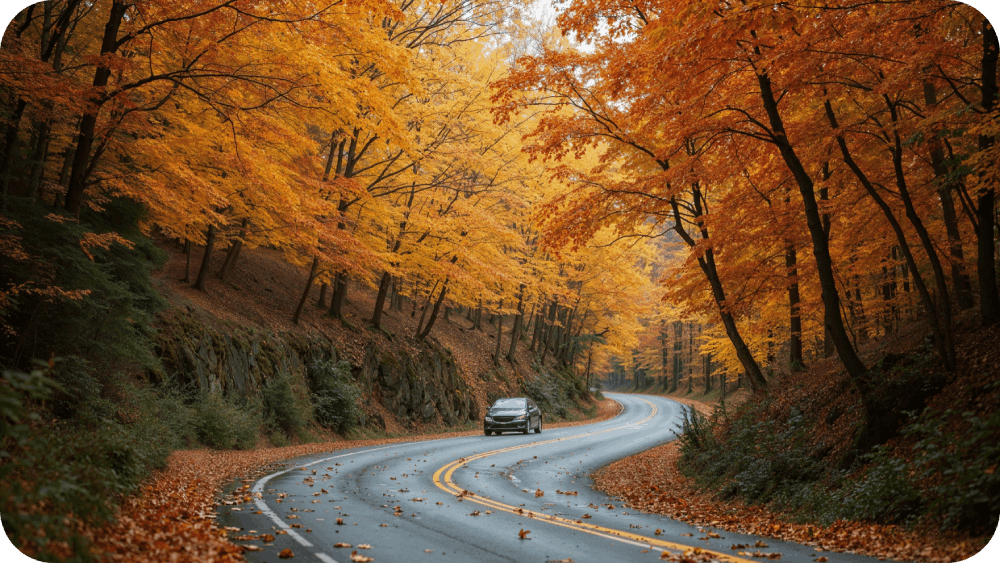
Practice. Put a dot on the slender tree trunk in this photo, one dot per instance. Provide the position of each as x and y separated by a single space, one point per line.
515 333
187 262
434 312
423 310
339 297
88 124
383 289
496 353
989 298
938 328
234 252
10 143
41 153
959 277
305 293
534 334
199 284
323 287
820 239
795 319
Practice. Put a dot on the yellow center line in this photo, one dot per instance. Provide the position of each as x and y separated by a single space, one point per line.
443 480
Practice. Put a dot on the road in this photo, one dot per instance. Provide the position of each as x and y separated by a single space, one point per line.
406 500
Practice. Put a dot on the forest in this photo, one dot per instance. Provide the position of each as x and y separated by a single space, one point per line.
753 193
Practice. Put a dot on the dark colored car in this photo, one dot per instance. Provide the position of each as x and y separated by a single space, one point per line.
510 415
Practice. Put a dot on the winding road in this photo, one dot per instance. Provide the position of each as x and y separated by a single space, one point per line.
467 498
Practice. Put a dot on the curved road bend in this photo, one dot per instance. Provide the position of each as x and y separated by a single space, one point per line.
424 479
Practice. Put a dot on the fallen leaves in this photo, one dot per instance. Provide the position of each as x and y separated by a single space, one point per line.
342 544
539 493
523 534
570 493
358 558
286 554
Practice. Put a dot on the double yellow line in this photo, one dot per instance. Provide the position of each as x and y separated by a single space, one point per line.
443 478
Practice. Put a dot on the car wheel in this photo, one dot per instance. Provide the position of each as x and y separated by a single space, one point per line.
488 432
538 430
527 429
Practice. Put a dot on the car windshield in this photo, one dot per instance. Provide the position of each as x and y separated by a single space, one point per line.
509 404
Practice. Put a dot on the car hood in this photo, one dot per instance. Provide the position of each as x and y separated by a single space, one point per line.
507 411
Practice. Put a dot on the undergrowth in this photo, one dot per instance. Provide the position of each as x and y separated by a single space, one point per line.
946 478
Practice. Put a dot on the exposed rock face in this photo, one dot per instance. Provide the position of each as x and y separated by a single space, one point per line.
238 361
421 388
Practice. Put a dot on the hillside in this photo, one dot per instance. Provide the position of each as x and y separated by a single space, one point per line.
263 290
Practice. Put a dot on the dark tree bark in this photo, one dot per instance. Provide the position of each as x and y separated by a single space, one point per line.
339 297
234 252
795 318
708 267
496 352
820 237
959 277
88 124
939 326
187 262
199 284
383 289
989 298
321 303
434 311
515 333
423 310
313 272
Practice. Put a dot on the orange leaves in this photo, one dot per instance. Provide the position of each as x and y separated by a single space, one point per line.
359 558
539 493
523 534
286 554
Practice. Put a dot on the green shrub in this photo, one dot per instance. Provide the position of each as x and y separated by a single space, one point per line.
334 395
960 467
224 425
287 410
87 465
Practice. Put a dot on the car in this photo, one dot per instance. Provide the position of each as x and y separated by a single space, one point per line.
519 414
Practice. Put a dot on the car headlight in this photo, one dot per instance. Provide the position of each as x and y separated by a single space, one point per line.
520 417
488 419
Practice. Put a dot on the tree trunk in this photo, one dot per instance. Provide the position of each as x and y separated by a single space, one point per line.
959 277
234 252
88 124
534 334
9 143
321 304
383 289
515 333
939 326
434 312
989 298
339 296
496 353
795 319
305 294
423 310
199 284
820 239
187 262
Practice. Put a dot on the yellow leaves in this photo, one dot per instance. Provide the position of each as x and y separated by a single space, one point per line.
358 558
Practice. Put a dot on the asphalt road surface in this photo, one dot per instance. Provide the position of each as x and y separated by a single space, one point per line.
406 500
